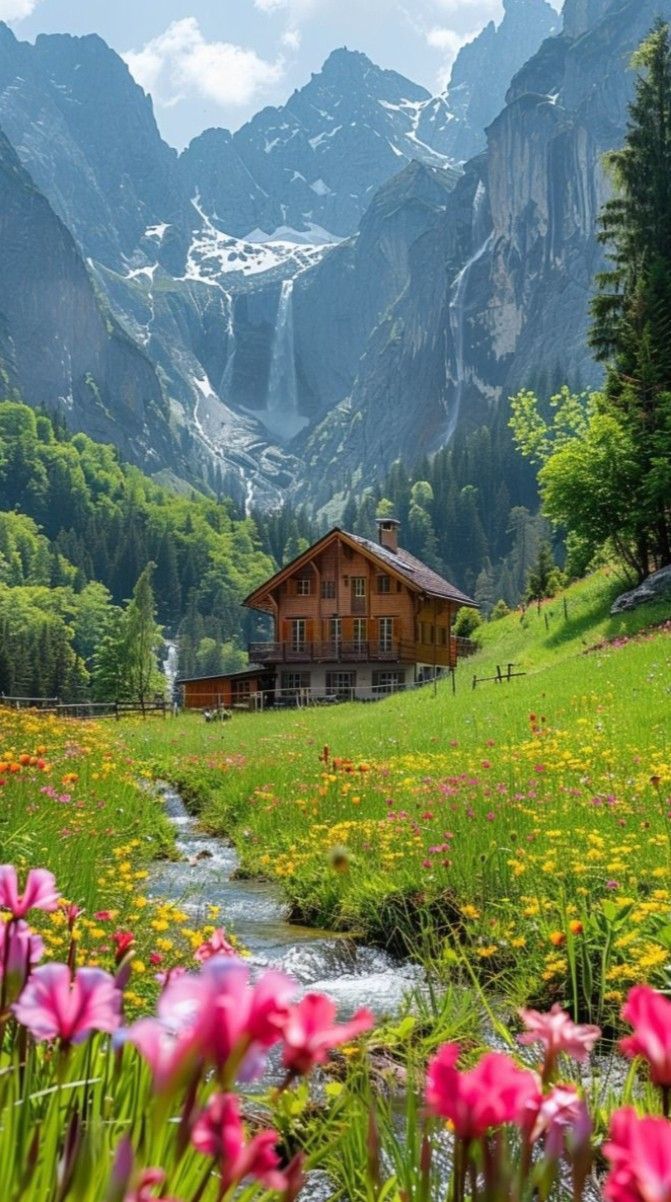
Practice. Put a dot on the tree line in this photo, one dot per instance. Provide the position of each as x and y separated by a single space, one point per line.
78 529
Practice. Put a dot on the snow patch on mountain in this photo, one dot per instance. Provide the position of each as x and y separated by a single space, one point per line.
213 254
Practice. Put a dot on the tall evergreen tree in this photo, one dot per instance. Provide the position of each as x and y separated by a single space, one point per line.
631 329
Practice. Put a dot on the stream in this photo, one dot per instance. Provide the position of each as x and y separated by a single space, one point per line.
352 974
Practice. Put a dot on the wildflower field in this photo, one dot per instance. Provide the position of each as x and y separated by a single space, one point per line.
73 802
522 829
514 838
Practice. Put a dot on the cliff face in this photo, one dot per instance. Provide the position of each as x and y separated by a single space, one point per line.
87 134
455 122
57 347
498 288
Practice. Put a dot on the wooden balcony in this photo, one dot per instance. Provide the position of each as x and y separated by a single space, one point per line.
332 653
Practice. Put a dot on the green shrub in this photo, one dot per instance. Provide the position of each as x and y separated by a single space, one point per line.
466 622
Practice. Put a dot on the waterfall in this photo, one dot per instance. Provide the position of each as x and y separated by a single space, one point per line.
457 327
281 415
170 669
227 378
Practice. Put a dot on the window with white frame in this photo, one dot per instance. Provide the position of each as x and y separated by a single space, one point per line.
388 681
386 634
359 633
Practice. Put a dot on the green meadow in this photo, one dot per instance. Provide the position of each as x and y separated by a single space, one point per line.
518 832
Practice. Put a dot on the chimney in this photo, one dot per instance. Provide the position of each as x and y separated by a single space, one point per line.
387 532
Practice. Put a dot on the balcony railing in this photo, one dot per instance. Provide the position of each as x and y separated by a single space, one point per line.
364 652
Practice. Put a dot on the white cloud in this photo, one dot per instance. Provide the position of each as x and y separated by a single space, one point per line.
180 62
16 10
447 40
291 39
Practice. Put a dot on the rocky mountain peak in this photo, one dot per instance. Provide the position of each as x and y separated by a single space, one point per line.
454 123
581 15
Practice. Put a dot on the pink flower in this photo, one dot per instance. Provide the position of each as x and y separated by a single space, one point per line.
216 945
219 1133
639 1151
310 1032
72 913
52 1006
172 1056
216 1017
231 1016
558 1033
496 1091
40 892
144 1190
650 1015
20 951
562 1117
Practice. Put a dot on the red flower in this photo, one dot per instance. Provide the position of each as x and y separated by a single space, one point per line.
496 1091
650 1015
123 942
216 945
639 1151
219 1133
310 1033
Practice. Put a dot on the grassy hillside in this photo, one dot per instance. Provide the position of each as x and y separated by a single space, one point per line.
524 826
573 622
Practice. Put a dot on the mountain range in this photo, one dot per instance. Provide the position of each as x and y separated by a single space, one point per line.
344 281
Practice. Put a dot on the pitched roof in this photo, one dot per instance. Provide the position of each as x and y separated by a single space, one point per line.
415 571
252 670
417 574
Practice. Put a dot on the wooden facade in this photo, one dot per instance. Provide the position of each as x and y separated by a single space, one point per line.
350 619
350 601
225 691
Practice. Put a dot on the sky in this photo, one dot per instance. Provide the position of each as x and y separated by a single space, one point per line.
217 62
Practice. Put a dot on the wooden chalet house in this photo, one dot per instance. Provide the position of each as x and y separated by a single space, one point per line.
355 618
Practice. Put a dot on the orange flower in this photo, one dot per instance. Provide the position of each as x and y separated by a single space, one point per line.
576 927
557 938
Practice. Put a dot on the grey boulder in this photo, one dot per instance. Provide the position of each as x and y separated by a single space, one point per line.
657 587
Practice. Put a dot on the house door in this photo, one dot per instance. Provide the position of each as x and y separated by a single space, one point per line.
386 635
299 634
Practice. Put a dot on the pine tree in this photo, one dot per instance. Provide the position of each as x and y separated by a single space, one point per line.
142 639
542 577
631 329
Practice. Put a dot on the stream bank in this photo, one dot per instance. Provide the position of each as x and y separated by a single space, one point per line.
352 974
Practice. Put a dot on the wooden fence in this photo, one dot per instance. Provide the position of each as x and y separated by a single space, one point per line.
86 709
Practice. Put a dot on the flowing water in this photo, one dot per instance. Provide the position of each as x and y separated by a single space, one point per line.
226 389
351 974
170 668
281 415
457 327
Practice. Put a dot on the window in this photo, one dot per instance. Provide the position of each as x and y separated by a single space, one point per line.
293 682
388 681
303 586
328 589
358 586
336 631
383 584
341 684
242 690
359 633
299 634
386 634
